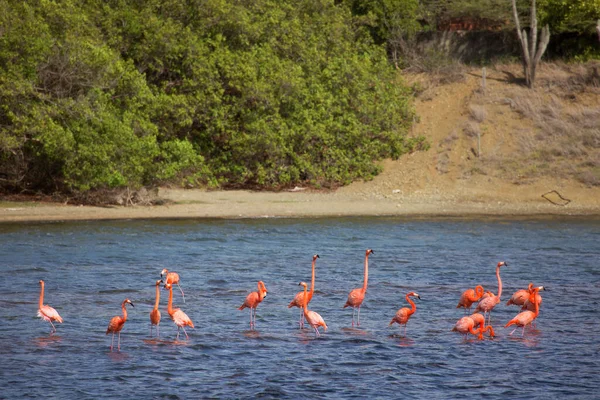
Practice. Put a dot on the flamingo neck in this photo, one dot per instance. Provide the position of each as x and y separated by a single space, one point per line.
157 297
124 312
473 331
537 304
170 304
413 307
260 292
41 295
312 281
478 292
364 288
305 303
499 283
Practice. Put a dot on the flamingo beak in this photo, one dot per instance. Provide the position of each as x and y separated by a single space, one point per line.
418 297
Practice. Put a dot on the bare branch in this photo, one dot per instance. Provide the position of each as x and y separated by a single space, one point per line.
516 17
544 40
533 29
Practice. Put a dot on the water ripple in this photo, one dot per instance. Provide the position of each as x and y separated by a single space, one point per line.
89 268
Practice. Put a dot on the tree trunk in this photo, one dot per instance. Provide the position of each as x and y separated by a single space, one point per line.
532 50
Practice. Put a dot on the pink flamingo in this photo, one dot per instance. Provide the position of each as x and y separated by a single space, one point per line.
155 313
356 296
313 318
469 297
402 315
253 300
173 279
299 298
478 319
177 315
526 317
468 324
116 324
528 305
487 303
46 312
520 296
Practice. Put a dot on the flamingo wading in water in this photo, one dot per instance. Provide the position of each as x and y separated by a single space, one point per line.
46 312
520 296
313 318
253 300
487 303
356 296
299 298
526 317
469 297
173 279
468 324
116 324
177 315
402 315
529 305
155 313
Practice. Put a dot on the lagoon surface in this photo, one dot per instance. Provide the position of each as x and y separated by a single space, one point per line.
91 267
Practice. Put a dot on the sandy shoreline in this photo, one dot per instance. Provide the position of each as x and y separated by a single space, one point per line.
246 204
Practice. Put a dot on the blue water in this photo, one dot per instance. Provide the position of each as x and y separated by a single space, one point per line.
91 267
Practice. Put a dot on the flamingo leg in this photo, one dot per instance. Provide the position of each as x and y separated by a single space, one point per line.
353 311
177 333
157 332
53 327
358 319
112 341
186 335
513 331
523 333
119 342
301 317
181 290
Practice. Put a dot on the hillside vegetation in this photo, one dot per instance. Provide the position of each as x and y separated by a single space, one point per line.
98 95
101 94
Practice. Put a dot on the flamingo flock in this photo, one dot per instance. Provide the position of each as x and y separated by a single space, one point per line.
528 299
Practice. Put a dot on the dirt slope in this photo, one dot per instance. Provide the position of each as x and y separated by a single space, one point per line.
505 172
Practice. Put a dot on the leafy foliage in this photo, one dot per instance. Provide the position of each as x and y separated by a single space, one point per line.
124 93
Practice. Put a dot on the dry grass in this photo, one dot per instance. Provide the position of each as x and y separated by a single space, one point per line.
477 113
449 140
560 120
472 129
